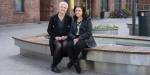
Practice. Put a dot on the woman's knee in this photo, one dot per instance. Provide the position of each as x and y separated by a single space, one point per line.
57 43
65 44
58 48
78 44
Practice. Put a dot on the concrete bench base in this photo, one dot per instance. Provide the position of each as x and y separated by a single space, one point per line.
121 69
32 54
111 59
119 63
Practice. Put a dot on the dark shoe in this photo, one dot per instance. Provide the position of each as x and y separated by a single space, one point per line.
77 68
83 55
70 64
56 70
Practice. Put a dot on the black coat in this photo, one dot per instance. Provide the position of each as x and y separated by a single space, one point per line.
53 30
85 32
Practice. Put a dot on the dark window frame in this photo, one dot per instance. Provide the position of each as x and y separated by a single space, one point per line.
21 6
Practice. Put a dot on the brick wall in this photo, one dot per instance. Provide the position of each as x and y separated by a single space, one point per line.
123 4
144 4
96 8
9 15
144 1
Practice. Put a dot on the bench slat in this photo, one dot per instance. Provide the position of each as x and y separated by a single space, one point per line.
121 48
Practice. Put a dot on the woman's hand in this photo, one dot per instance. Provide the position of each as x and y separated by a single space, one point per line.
58 38
75 40
64 37
61 38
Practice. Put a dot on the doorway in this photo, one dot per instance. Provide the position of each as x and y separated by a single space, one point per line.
44 10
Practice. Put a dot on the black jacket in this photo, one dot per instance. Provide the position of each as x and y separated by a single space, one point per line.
85 32
53 30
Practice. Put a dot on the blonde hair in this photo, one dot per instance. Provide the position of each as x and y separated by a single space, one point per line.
63 3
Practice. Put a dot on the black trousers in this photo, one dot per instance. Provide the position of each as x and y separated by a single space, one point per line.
77 49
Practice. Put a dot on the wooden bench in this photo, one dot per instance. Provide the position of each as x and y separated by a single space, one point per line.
111 59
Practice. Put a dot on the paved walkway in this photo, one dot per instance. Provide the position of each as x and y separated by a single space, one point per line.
11 63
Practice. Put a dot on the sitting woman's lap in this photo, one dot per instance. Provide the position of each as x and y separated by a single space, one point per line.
63 46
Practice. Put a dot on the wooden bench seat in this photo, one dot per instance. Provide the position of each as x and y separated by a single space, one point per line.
121 49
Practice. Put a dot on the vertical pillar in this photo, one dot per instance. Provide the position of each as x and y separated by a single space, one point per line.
123 4
71 4
111 5
96 9
133 16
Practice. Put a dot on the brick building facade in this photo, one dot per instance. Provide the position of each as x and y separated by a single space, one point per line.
143 4
95 7
8 13
19 11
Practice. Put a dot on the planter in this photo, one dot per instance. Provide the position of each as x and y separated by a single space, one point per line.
114 32
106 29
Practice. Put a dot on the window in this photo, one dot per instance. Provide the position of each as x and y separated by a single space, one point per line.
104 5
19 5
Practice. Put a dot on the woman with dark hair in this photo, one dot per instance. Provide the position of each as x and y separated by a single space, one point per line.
81 35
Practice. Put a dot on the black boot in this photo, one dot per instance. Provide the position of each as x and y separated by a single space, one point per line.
55 69
77 67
